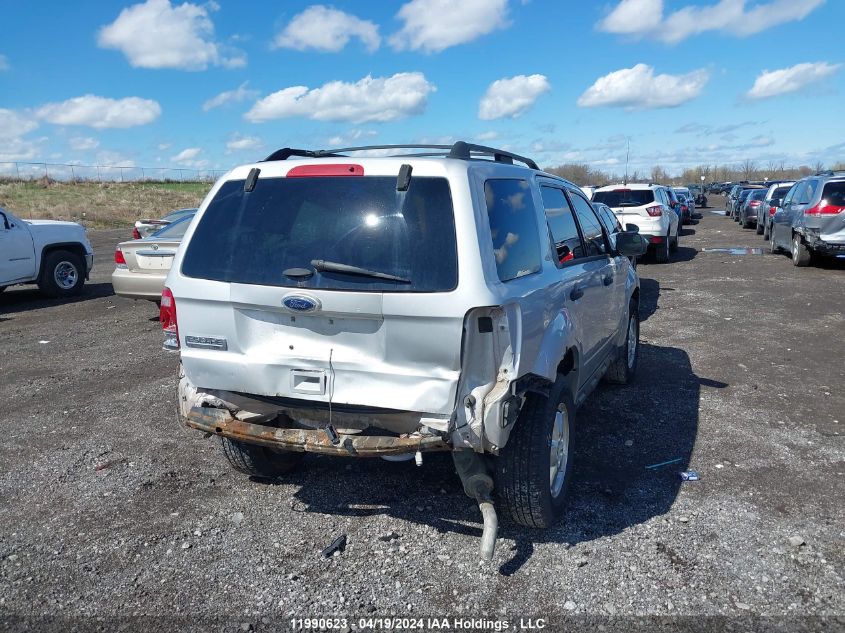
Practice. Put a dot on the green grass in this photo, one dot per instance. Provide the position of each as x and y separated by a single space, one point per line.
100 205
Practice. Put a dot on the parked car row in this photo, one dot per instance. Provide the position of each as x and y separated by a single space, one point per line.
804 218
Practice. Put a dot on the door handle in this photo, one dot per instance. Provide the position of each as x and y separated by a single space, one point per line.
576 293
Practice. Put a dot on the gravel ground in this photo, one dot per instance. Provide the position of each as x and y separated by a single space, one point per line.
111 510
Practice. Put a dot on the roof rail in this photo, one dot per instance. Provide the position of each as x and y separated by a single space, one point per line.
830 172
460 150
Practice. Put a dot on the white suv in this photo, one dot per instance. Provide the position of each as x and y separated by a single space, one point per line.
396 305
649 207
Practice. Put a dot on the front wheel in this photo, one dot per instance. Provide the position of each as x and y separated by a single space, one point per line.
533 469
259 461
801 255
62 274
622 370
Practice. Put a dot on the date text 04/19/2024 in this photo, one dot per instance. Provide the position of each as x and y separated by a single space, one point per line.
417 624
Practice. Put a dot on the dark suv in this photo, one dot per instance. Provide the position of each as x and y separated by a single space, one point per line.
811 219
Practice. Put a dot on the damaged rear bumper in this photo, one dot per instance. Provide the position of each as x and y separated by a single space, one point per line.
221 422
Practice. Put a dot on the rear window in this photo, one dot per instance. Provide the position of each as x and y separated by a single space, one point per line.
760 194
175 229
285 223
625 197
834 193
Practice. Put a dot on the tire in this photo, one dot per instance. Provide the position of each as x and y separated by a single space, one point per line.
523 469
801 255
774 249
259 461
673 243
623 369
759 229
746 222
661 251
767 231
2 288
62 274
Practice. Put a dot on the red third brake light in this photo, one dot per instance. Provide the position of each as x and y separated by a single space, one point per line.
167 316
823 208
136 235
310 171
119 259
655 211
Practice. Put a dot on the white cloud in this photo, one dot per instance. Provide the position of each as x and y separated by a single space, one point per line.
240 143
435 25
487 136
83 143
113 159
771 83
350 137
241 93
101 112
641 18
512 96
638 88
156 34
326 29
370 99
4 63
186 155
14 125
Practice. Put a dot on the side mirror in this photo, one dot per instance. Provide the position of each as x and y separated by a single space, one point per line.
632 228
631 244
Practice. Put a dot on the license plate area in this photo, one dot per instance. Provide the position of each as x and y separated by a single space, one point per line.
309 381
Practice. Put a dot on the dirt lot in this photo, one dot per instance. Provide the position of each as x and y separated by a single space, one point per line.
111 509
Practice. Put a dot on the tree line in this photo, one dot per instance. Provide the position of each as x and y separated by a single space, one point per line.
582 174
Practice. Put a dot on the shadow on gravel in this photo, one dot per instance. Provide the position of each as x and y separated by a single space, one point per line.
649 296
619 432
29 298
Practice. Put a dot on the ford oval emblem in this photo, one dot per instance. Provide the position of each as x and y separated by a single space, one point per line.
300 303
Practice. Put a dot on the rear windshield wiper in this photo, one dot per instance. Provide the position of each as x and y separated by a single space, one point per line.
335 267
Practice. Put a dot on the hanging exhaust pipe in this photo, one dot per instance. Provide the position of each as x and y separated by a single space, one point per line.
478 485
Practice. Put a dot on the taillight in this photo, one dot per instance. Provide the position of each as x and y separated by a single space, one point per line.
684 208
754 203
772 210
119 259
136 234
823 208
656 211
167 316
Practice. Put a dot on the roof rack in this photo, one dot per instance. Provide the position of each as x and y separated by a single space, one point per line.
460 150
831 172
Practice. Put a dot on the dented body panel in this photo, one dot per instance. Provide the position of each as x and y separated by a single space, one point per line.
444 369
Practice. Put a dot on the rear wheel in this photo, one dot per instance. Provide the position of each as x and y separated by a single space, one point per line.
767 230
533 469
801 255
673 244
259 461
760 227
62 274
661 251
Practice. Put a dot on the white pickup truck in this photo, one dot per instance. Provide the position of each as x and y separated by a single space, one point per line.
55 255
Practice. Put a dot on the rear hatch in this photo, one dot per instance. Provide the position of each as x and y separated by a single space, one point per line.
630 204
323 289
829 214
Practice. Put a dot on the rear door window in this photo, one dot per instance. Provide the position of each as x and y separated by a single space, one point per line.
594 238
513 227
285 223
562 226
798 192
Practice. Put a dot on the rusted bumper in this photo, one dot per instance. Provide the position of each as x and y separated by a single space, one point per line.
220 422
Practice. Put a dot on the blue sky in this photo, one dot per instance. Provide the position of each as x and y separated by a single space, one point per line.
214 84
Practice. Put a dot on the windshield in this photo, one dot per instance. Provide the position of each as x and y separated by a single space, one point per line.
288 223
176 229
625 197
